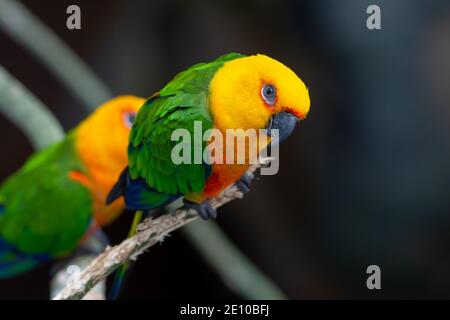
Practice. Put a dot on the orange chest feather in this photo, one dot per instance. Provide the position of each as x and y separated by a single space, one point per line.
229 169
222 176
99 177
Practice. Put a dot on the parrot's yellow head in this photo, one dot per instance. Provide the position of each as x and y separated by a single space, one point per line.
257 92
107 130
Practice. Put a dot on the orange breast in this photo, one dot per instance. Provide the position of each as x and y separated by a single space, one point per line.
99 186
222 176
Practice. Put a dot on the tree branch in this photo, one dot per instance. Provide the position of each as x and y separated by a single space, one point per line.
149 232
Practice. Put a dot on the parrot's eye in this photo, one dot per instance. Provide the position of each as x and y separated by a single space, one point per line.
128 118
269 94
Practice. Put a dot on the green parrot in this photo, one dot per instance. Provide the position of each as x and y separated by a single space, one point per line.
232 92
56 200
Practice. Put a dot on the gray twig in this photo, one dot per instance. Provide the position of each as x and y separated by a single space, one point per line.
149 232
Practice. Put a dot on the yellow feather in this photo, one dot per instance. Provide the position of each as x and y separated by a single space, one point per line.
235 92
101 143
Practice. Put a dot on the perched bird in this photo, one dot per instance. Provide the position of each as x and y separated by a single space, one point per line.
57 199
232 92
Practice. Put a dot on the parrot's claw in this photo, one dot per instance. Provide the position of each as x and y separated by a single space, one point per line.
243 183
204 209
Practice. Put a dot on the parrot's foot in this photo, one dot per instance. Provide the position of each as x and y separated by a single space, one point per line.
243 183
204 209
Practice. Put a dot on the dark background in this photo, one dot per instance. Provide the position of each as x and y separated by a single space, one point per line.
364 180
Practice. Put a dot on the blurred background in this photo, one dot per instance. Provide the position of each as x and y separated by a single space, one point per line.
364 180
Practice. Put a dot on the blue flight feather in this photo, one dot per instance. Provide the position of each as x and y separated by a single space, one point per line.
139 196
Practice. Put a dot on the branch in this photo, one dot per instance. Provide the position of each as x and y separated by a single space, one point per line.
67 272
150 232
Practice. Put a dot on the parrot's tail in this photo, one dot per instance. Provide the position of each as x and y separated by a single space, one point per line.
13 262
120 274
137 194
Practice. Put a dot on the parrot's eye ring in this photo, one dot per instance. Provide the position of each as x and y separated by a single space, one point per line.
128 118
269 94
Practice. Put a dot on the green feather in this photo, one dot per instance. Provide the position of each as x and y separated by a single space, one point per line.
32 221
181 102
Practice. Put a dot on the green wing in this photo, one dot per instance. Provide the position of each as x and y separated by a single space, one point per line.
151 146
44 211
182 102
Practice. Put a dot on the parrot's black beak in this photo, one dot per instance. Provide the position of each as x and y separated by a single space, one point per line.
285 122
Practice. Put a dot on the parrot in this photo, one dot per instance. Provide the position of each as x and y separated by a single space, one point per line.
234 91
57 199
